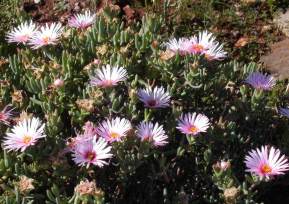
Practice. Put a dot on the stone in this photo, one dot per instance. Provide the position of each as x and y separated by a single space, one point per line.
277 61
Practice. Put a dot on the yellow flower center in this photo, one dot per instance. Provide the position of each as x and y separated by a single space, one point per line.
90 156
193 129
198 48
27 139
265 169
114 135
46 39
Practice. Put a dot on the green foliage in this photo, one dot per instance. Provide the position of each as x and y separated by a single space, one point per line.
181 172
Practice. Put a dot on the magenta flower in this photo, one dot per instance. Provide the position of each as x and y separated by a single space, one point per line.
193 124
24 134
47 35
92 152
114 130
82 21
108 76
6 114
22 33
261 81
266 162
154 133
154 98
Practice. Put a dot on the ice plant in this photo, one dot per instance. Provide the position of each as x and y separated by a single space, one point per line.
180 46
47 35
261 81
201 43
91 152
193 124
108 76
147 131
215 52
114 130
154 97
58 83
284 112
22 33
24 134
5 115
266 162
82 21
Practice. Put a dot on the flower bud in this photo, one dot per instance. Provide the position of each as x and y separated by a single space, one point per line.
58 83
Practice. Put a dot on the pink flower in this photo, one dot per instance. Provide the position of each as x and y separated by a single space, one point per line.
24 134
82 21
22 33
266 162
154 98
5 115
58 83
108 76
153 133
180 46
92 152
47 35
96 62
201 43
261 81
114 130
193 124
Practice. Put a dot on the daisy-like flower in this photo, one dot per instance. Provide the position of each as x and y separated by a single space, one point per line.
153 133
24 134
215 52
47 35
154 98
92 152
6 114
180 46
114 130
193 124
261 81
22 33
284 112
108 76
82 21
201 43
266 162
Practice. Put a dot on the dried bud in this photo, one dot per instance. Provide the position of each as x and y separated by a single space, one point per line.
58 83
231 195
102 49
88 188
155 44
17 96
25 184
85 104
166 55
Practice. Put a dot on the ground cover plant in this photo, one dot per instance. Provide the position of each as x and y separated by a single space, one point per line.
146 102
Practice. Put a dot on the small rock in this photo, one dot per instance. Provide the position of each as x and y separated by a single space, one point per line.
277 62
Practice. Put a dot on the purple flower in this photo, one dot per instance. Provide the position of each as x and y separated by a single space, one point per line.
261 81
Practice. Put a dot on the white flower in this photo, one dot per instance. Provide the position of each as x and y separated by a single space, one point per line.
22 33
114 130
193 124
24 134
47 35
153 133
90 151
154 98
108 76
82 21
